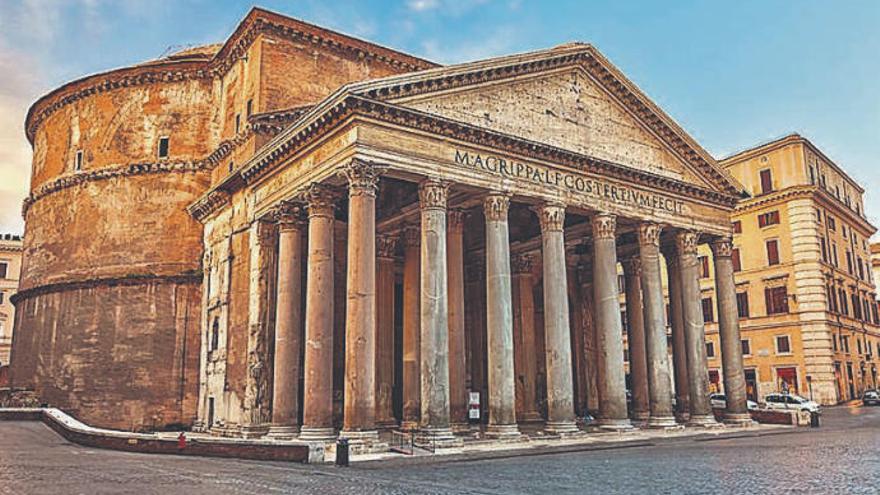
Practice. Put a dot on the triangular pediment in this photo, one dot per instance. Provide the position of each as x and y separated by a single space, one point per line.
565 109
569 97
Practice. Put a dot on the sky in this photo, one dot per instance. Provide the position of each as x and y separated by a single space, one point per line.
733 74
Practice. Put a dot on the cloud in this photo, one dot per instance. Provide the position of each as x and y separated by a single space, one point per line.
422 5
499 41
22 83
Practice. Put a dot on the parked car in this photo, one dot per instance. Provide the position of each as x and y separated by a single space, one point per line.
871 398
791 401
719 401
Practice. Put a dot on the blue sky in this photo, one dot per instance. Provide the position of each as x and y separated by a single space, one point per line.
732 73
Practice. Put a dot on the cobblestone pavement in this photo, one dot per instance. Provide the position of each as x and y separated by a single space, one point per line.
841 457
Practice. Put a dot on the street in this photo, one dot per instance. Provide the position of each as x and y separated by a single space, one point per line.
843 456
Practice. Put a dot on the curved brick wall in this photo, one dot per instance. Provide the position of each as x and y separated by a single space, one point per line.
109 304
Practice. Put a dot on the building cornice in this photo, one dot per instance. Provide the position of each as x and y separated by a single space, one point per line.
258 21
194 277
77 178
806 192
305 133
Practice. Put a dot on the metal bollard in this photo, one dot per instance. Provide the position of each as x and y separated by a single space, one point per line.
814 419
342 452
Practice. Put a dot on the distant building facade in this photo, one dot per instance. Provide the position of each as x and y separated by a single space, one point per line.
806 289
10 266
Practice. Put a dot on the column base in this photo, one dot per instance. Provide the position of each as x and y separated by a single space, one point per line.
364 441
317 434
437 438
254 431
529 417
662 422
703 421
641 416
682 417
461 427
503 432
738 419
613 424
386 424
282 432
409 425
562 428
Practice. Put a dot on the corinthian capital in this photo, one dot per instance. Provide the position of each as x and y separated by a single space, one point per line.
433 194
722 247
649 234
686 242
363 177
521 263
290 215
320 200
495 206
632 266
604 226
412 236
386 245
552 217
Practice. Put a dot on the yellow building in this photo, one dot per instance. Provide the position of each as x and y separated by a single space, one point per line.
805 288
10 265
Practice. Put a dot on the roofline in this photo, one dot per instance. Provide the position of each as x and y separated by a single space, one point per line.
787 140
207 64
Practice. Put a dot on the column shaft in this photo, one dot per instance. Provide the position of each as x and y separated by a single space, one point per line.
359 414
612 381
499 315
318 361
385 248
525 350
659 381
557 330
695 334
635 318
288 326
679 347
411 328
728 327
458 395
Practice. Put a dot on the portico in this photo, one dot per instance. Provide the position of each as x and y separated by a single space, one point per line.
457 240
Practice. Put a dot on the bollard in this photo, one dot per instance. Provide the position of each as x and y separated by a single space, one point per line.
342 451
814 419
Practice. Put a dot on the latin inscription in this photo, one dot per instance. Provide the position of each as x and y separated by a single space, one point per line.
555 178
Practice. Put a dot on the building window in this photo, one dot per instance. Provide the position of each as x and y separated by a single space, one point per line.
710 349
772 252
812 175
783 344
857 308
621 284
163 147
746 347
78 161
250 108
215 335
742 304
624 321
766 181
776 299
231 165
4 269
734 258
844 304
708 312
824 247
832 299
737 227
2 297
237 122
818 215
849 263
769 218
832 223
834 255
704 266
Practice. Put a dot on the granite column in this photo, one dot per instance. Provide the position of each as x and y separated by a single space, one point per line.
635 332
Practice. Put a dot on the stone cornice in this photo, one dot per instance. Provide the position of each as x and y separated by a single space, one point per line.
76 178
258 21
194 277
814 192
272 123
207 204
308 131
584 56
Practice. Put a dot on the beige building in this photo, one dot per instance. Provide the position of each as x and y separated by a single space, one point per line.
806 290
10 267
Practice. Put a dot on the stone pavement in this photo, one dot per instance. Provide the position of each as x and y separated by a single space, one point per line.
843 456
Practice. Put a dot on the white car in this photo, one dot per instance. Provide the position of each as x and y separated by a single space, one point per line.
790 402
719 401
